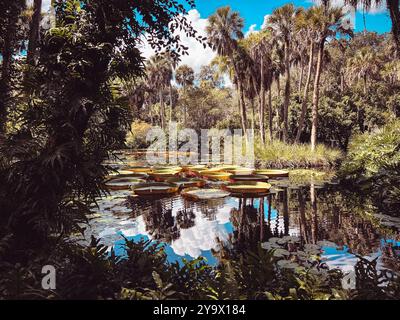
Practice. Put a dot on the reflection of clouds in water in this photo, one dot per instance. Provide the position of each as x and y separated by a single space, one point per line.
344 260
138 228
203 236
192 241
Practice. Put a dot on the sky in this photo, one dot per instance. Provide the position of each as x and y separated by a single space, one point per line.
254 13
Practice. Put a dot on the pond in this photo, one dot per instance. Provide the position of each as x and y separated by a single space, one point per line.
343 224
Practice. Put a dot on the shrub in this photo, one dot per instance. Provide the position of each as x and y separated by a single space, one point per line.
373 165
136 138
278 154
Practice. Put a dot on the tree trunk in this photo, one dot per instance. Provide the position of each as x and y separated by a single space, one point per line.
253 114
7 57
242 105
301 74
170 102
34 32
243 109
287 94
305 94
262 102
393 8
162 111
314 113
365 85
270 115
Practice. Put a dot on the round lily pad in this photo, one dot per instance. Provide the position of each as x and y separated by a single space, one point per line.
248 177
217 176
250 187
204 194
187 183
273 173
156 188
123 183
140 169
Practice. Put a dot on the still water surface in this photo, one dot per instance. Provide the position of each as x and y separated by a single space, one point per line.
189 229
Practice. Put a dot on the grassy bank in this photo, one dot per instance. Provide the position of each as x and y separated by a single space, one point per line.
277 154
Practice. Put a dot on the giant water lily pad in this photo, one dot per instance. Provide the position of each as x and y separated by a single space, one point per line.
197 167
140 169
187 183
168 168
216 176
248 177
250 187
273 173
156 188
204 194
162 175
122 174
240 171
287 264
123 183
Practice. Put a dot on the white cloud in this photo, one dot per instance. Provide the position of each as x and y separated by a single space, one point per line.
197 55
341 3
251 30
45 4
265 23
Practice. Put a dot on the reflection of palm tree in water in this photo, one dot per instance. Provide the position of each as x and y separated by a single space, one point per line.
157 215
314 213
249 223
282 205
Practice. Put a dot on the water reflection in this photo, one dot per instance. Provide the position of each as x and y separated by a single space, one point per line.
210 228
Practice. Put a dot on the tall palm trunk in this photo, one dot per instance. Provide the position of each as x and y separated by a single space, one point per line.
184 108
34 32
243 108
253 114
314 111
301 74
287 94
242 105
170 102
262 103
365 84
305 93
162 111
394 11
7 56
270 115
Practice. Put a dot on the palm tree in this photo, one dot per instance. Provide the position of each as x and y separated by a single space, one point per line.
393 6
328 22
172 62
10 24
363 66
184 77
223 30
261 53
159 74
282 22
34 32
304 22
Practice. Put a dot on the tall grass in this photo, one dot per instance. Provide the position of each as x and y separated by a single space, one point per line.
277 154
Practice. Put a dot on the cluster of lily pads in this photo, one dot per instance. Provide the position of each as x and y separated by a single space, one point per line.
196 182
294 255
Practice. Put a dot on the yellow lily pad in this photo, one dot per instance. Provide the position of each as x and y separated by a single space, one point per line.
273 173
156 188
123 183
187 183
204 194
250 187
